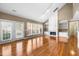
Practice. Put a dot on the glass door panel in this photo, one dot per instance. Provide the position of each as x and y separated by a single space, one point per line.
6 30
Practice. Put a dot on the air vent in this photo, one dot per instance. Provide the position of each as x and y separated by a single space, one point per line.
55 9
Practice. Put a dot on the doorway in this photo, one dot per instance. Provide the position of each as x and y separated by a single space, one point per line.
72 42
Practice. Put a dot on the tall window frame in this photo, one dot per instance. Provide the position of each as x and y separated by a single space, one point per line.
4 28
19 29
34 28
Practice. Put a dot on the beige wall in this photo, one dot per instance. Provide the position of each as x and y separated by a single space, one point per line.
15 18
75 7
66 12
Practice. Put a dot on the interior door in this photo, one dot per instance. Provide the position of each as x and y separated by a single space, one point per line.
72 42
78 35
73 28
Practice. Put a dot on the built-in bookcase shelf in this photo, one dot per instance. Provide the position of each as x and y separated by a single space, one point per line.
63 26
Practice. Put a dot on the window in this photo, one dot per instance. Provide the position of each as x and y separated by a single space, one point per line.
11 29
19 29
6 30
41 29
29 28
33 28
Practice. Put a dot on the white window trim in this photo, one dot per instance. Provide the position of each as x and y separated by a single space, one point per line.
1 30
13 33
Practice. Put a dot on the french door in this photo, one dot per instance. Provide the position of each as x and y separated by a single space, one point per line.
5 30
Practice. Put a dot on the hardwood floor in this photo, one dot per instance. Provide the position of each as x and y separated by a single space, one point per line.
68 48
40 46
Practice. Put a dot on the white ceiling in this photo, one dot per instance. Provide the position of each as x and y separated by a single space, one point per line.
34 11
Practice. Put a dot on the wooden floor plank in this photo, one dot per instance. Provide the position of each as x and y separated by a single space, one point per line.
44 46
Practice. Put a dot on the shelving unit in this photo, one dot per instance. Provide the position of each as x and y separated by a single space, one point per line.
63 26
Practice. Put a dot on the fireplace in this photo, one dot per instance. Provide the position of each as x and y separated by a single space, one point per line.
52 33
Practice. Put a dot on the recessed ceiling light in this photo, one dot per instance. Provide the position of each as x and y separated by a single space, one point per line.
14 10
